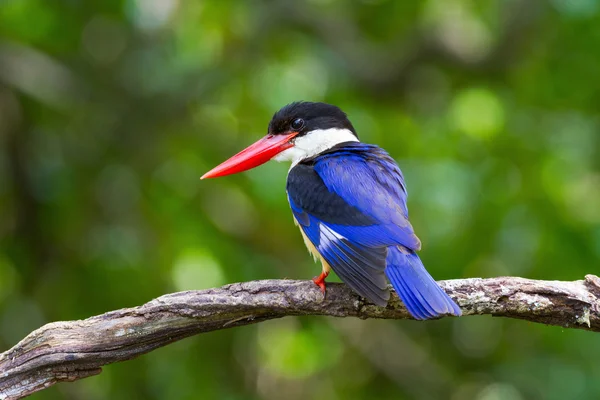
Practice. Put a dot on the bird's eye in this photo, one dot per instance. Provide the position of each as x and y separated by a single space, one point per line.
297 124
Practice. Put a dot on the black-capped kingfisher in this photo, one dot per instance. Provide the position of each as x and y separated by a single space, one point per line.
349 200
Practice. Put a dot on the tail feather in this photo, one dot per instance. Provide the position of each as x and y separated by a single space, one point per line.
419 292
408 298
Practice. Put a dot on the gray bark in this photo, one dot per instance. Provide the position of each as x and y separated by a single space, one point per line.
67 351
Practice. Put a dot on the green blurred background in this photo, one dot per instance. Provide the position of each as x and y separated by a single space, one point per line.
110 111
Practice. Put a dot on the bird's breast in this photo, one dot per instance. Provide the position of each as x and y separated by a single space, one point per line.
312 249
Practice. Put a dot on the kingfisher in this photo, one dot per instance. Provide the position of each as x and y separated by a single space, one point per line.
349 200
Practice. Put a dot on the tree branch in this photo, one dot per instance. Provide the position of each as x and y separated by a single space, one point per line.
67 351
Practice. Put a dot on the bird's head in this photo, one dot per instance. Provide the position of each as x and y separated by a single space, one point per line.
297 131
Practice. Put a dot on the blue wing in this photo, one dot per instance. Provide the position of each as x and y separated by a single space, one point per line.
367 178
351 204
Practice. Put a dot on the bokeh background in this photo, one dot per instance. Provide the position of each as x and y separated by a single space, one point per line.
110 111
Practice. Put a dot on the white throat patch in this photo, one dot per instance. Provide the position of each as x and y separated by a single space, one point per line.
315 142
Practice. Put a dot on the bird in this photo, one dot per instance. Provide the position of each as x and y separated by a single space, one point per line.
349 199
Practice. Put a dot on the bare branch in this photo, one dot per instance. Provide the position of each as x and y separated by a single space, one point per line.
67 351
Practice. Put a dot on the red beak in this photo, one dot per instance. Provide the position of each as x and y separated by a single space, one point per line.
253 156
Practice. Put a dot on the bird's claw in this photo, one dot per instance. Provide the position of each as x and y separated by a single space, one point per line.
320 281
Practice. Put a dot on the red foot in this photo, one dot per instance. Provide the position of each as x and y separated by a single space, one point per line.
320 280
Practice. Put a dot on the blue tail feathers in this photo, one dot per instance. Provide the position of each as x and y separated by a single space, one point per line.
421 295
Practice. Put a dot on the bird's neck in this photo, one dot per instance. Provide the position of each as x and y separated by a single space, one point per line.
315 142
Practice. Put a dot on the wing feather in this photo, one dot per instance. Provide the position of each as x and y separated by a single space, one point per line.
352 215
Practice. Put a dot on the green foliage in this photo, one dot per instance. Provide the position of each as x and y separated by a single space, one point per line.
110 111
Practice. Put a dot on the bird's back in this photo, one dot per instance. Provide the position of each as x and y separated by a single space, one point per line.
357 184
